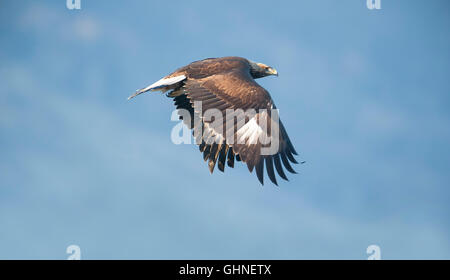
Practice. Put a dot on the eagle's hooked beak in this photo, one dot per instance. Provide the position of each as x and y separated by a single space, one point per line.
272 71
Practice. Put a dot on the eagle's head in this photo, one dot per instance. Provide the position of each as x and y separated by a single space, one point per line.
259 70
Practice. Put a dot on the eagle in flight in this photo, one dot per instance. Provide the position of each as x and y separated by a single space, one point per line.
228 84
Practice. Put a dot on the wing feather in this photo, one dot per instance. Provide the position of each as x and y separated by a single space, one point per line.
222 158
270 171
276 159
230 160
259 167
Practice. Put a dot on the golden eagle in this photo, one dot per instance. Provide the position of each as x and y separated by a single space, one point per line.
227 84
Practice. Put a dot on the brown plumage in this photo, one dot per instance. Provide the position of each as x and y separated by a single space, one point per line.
228 83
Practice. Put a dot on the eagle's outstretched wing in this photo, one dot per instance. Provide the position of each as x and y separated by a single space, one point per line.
232 90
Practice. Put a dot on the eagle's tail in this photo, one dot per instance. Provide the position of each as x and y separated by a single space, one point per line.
164 84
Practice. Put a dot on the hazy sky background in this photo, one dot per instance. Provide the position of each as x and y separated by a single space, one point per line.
364 95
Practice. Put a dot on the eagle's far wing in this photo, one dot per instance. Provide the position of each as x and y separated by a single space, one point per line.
237 90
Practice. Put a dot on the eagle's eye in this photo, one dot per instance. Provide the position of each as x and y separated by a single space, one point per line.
262 66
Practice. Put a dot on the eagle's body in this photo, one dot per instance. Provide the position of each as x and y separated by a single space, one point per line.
224 84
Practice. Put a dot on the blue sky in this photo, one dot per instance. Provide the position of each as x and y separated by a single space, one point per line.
364 95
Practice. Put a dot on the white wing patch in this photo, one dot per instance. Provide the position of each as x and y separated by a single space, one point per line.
251 131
